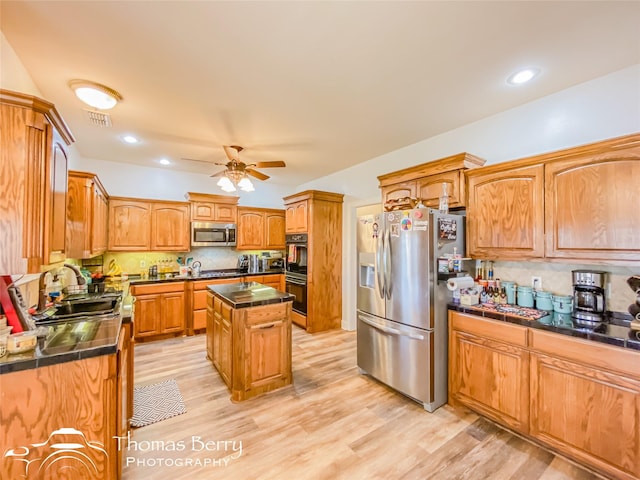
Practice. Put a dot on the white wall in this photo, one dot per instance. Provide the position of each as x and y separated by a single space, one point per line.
126 180
602 108
13 75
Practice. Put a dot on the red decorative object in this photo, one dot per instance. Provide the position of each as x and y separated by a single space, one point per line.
7 304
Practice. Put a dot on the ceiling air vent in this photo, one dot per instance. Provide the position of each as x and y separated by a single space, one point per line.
98 119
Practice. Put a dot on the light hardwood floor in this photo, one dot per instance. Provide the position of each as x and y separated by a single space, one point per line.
331 423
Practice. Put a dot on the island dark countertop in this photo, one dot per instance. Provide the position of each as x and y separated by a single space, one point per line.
67 341
249 294
615 331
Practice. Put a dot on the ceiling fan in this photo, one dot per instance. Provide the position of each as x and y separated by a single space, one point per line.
237 172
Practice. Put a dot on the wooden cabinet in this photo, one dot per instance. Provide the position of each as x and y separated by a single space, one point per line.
274 281
159 309
505 212
206 207
148 225
576 396
33 181
196 293
124 388
170 227
424 182
260 228
323 213
251 346
591 203
489 371
87 212
296 217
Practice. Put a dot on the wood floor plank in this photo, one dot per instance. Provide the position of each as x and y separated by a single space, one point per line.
332 423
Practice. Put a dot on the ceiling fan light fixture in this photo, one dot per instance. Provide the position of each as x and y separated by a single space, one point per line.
95 94
245 184
224 181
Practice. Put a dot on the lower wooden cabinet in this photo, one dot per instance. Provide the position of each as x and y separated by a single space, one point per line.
159 309
196 293
579 397
250 347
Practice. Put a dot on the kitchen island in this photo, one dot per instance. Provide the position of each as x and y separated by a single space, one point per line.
249 337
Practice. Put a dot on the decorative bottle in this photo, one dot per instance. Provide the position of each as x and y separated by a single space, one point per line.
444 199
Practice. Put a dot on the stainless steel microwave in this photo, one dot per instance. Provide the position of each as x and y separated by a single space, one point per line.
205 234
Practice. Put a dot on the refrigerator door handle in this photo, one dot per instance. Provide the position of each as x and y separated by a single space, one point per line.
391 331
379 260
387 265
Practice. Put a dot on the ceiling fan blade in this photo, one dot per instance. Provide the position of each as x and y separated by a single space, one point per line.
194 160
257 174
217 174
232 152
278 163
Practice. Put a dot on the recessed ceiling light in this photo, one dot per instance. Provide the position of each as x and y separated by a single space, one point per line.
523 76
164 161
95 94
130 139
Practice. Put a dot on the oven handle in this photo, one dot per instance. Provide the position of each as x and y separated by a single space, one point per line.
295 282
390 331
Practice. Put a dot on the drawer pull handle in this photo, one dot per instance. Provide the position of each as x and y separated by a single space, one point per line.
264 327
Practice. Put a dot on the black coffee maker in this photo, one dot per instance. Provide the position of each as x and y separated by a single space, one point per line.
588 297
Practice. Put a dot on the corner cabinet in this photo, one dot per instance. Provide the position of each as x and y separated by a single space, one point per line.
148 225
33 177
260 228
592 204
505 212
87 216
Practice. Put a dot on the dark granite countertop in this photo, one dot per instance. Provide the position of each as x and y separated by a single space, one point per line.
69 340
249 294
204 275
615 331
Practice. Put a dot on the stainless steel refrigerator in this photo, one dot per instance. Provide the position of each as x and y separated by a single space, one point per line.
402 313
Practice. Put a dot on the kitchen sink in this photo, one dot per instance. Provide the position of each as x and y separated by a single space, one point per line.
83 305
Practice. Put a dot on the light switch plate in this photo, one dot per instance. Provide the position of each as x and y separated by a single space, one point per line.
536 283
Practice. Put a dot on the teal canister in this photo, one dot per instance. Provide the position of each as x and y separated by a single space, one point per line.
525 296
544 301
563 303
510 288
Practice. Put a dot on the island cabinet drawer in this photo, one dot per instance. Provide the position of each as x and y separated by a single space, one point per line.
492 329
154 288
265 314
587 352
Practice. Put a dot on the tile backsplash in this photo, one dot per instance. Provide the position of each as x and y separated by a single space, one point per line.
556 278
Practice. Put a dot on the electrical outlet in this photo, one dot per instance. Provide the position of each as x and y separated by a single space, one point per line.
536 283
143 264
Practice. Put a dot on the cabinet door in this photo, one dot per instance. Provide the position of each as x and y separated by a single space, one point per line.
505 214
172 312
226 213
250 230
99 212
267 361
397 191
587 413
296 217
274 281
79 191
274 231
129 225
490 377
170 227
210 333
591 207
56 203
202 211
226 342
147 311
429 189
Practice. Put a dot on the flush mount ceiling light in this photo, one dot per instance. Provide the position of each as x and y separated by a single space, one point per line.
130 139
523 76
164 161
95 94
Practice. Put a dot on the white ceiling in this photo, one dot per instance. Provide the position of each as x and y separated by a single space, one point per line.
320 85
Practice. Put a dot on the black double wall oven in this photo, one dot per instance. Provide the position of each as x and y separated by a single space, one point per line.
296 270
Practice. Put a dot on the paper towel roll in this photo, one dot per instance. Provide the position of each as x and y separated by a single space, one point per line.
460 282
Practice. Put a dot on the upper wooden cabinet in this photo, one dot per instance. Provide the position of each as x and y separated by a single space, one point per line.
260 228
505 212
87 212
578 203
33 182
142 225
424 182
207 207
296 217
591 203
